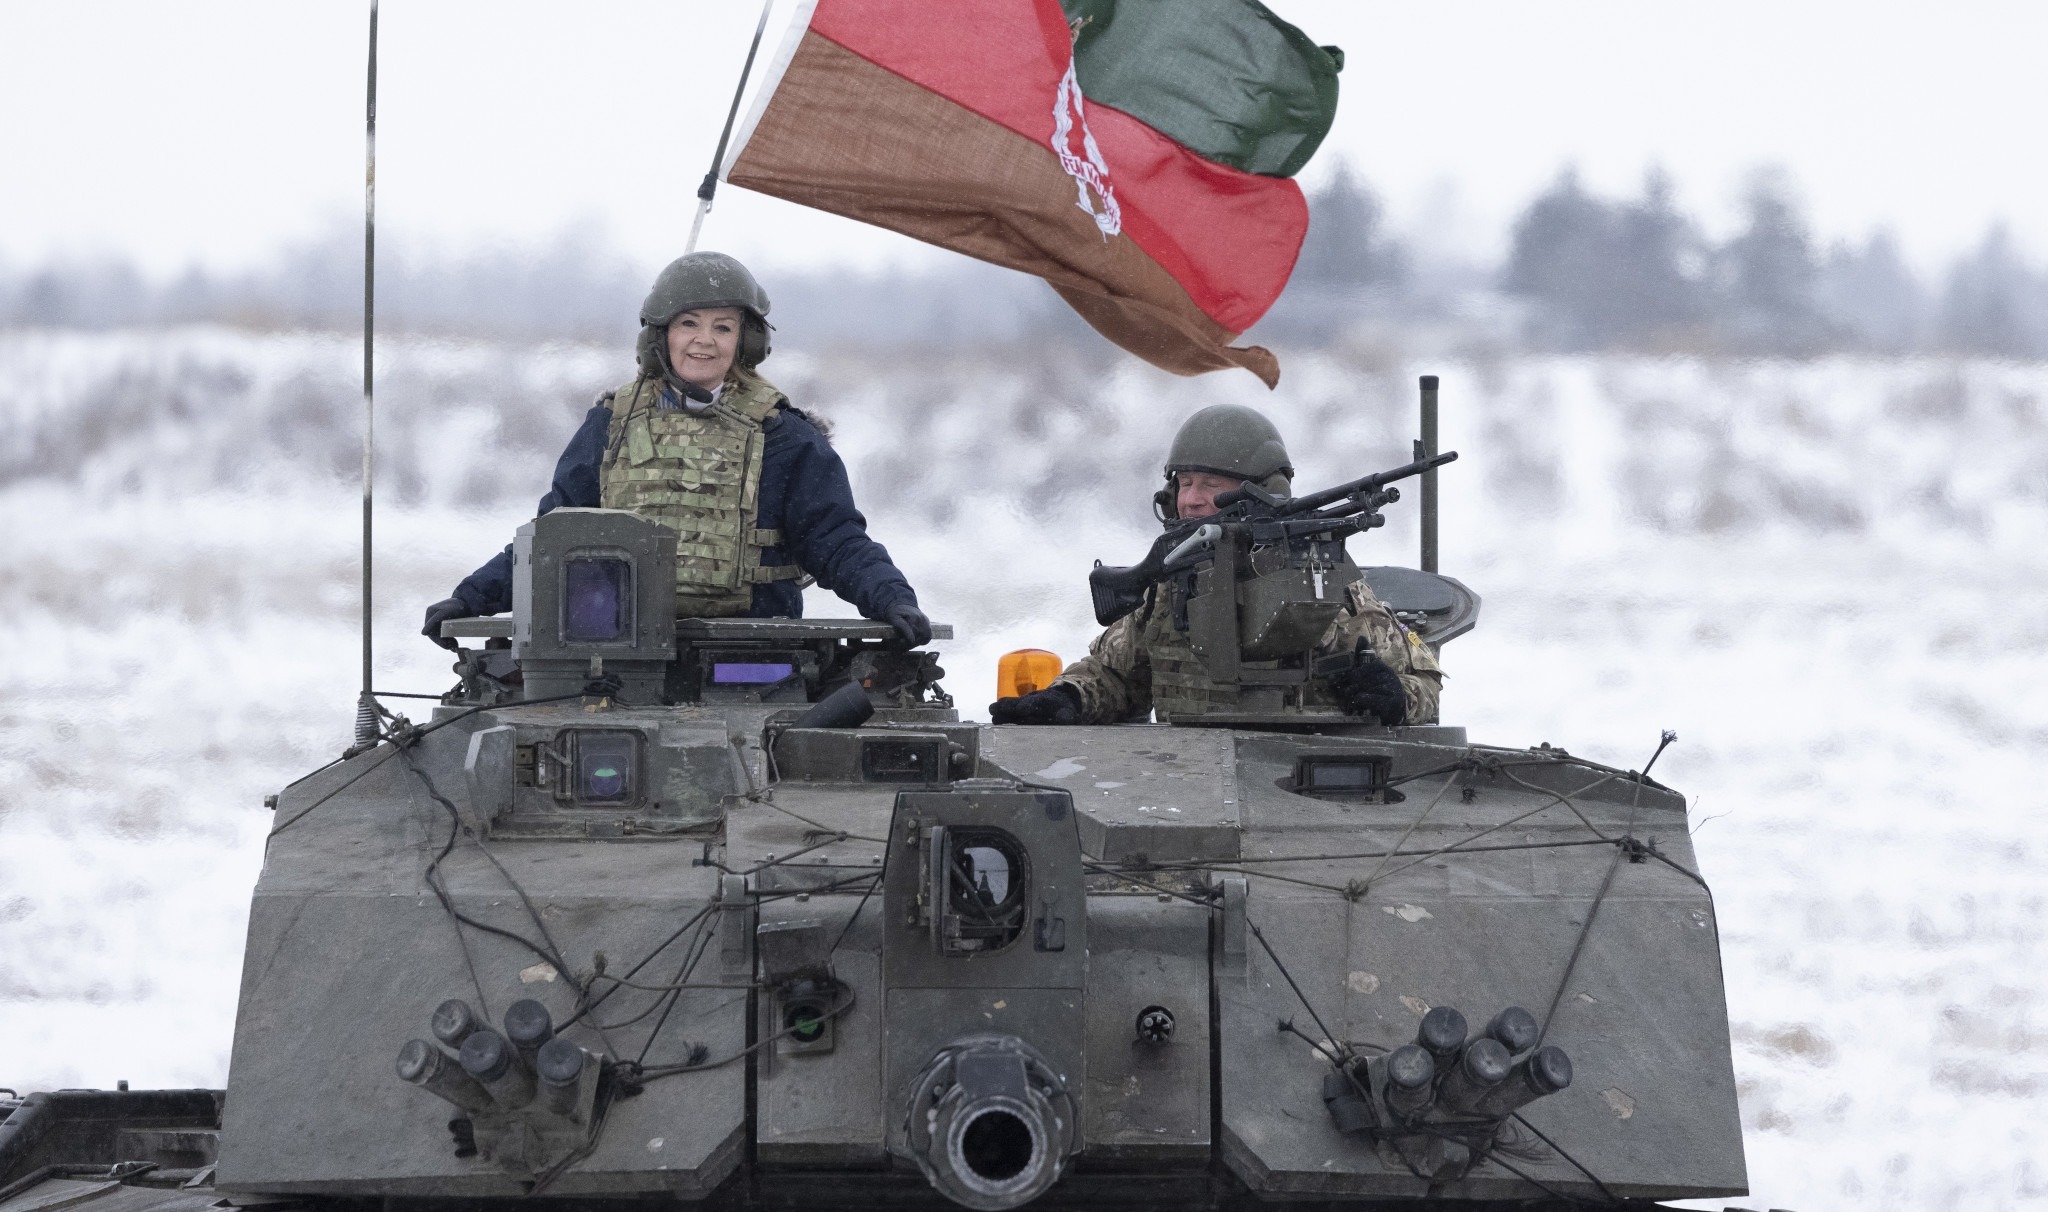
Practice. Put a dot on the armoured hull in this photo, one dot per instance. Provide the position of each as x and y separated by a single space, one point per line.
740 913
1210 884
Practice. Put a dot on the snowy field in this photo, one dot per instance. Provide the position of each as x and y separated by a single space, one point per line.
1831 578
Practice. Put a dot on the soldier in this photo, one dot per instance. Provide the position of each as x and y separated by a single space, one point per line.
1142 664
756 494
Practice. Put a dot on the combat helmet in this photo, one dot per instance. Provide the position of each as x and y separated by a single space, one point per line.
1227 440
702 279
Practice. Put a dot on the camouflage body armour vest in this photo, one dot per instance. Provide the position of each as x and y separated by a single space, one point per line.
699 473
1180 683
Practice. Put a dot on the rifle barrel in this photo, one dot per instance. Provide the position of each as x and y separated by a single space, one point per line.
1191 543
1380 479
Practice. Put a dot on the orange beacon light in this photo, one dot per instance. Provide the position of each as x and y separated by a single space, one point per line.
1028 669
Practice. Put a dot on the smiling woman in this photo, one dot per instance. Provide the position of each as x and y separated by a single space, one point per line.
701 344
698 440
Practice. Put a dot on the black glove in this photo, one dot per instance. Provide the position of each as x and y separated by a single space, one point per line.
913 630
1369 686
1056 704
439 613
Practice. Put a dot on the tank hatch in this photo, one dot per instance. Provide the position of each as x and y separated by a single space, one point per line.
1435 607
1140 792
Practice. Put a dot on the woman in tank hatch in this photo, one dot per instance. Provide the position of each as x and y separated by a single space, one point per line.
699 440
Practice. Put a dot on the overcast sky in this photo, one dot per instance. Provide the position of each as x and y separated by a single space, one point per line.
179 132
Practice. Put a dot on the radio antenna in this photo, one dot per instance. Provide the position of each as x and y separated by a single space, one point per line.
1425 448
366 703
710 184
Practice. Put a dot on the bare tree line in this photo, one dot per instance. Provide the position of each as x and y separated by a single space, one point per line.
1583 273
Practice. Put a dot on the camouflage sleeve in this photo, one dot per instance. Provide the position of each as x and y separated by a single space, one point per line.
1115 678
1399 647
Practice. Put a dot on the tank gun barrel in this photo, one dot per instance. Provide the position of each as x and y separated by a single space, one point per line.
990 1122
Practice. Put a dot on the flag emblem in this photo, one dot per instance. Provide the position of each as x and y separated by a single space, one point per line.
1087 169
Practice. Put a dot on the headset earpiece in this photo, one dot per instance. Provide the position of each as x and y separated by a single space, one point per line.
650 351
754 346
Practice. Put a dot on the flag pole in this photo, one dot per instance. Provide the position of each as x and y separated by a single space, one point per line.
366 703
710 183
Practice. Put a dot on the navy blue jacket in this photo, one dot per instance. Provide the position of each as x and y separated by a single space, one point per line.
804 493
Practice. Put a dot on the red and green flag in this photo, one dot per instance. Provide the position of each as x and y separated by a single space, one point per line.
1136 154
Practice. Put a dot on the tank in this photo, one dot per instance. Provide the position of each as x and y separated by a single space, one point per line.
742 912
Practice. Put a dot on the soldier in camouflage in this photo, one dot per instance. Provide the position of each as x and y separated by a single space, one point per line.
1143 665
757 497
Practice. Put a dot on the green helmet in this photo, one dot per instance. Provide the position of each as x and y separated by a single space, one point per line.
1228 440
703 279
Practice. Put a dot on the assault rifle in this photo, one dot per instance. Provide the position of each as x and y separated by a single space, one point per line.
1265 520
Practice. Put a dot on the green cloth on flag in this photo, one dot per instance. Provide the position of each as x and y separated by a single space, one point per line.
1226 79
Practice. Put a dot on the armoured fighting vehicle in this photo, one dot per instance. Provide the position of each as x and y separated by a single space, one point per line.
741 911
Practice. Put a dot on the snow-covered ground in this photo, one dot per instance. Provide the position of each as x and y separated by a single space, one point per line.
1831 578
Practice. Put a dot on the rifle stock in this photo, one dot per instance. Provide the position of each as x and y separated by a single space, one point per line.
1119 590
